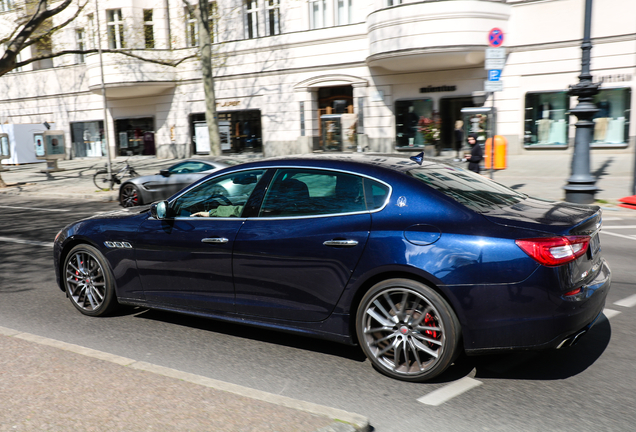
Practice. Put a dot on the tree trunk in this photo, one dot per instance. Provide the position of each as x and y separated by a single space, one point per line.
205 46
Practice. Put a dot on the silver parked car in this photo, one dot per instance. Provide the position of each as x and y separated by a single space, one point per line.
146 189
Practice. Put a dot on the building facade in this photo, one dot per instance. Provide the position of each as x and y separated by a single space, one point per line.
296 76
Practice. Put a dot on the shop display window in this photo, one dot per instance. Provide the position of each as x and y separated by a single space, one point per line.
547 119
408 117
611 122
88 139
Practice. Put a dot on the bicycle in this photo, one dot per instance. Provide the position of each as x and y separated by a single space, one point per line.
102 181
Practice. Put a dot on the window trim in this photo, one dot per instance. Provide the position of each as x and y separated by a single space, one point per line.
117 26
149 26
253 15
268 176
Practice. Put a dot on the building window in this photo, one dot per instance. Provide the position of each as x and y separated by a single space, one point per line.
611 122
272 17
91 31
6 5
115 29
547 119
149 29
344 12
408 117
251 18
393 2
317 14
192 29
80 39
88 139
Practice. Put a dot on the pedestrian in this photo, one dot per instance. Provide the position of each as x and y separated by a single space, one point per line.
476 155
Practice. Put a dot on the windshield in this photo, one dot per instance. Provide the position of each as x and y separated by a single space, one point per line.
470 189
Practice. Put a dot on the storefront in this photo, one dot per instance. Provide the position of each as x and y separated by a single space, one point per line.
546 119
240 131
88 139
611 122
135 136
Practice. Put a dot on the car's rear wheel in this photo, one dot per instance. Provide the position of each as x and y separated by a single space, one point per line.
89 282
407 330
129 195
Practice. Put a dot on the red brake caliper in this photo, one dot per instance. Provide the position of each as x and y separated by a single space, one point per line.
429 320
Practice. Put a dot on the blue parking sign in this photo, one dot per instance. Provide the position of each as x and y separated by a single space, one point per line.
494 74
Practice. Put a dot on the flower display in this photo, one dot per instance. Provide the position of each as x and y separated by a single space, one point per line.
429 127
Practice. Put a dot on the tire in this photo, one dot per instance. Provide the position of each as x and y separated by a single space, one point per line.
89 282
129 195
102 181
390 331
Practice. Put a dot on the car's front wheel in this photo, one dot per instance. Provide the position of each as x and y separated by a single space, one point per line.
89 282
407 330
129 195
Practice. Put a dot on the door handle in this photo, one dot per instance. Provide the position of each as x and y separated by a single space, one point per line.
341 243
216 240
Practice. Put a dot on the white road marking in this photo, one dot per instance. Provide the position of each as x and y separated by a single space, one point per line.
26 242
627 302
618 235
441 395
611 218
35 208
609 313
619 227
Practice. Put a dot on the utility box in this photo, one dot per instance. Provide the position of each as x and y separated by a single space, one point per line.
5 148
500 152
49 146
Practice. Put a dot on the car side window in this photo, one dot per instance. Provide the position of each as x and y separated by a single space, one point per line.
223 196
189 167
306 192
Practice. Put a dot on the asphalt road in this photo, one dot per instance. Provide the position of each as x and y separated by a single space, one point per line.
589 387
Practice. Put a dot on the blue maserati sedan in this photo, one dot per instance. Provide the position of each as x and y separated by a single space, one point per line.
415 261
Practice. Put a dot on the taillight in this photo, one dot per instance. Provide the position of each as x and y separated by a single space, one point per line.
554 251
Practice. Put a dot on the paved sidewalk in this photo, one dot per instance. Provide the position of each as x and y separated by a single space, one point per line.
542 174
54 386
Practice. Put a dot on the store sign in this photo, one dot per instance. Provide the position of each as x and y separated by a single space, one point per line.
228 104
439 89
613 78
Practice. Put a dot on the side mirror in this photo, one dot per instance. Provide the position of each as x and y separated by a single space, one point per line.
165 173
159 210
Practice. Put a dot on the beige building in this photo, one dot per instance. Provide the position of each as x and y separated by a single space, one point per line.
295 76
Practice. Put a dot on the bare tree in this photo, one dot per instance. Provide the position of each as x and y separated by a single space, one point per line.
34 27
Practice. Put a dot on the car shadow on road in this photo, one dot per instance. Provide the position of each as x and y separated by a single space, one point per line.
536 365
255 333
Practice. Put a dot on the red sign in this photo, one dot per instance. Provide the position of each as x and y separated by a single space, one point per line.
496 37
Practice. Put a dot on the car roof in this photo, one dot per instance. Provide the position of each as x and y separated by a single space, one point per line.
340 160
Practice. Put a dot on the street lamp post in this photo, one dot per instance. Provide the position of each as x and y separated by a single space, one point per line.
581 186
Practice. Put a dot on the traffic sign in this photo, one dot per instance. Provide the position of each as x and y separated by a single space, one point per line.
496 37
494 64
493 86
494 75
495 53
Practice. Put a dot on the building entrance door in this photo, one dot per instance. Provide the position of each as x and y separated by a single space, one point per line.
450 110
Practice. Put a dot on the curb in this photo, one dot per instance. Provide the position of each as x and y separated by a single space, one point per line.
345 421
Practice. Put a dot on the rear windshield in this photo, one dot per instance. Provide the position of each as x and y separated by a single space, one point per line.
472 190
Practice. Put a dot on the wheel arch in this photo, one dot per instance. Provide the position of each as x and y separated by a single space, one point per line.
371 281
66 248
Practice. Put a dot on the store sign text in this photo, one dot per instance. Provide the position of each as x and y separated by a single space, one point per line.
228 104
444 88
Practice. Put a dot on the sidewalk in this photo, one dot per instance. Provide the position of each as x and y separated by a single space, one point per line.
55 386
541 174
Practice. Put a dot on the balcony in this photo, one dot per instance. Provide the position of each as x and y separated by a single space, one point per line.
128 77
433 35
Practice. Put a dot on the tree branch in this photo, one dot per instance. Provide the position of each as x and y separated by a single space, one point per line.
31 41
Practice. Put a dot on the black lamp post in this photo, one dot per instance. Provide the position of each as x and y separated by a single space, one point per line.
581 186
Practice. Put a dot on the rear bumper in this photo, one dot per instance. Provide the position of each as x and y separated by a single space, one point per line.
529 316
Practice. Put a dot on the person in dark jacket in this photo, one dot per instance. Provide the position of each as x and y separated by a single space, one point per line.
476 155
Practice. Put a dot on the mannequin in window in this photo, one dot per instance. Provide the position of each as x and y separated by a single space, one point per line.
544 123
458 134
412 120
601 120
